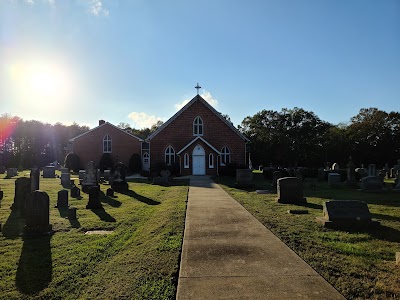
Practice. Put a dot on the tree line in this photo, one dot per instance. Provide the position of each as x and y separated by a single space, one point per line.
291 137
296 137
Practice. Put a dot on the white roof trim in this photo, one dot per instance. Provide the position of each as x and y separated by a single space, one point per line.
198 97
203 140
131 135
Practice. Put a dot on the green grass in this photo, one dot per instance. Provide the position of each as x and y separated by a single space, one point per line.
139 260
361 265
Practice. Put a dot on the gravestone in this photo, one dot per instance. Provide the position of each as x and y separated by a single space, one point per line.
64 170
75 192
62 199
290 190
94 198
335 167
161 180
35 176
82 174
346 214
371 170
351 172
11 172
49 172
65 179
107 175
275 176
362 172
37 219
22 190
119 184
165 173
321 174
90 177
110 192
72 213
334 179
2 169
244 177
371 184
1 196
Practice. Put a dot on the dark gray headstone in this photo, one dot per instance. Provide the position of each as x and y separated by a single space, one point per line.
298 174
244 177
49 172
2 169
106 175
90 178
110 192
371 170
65 179
82 174
11 172
94 198
37 219
290 190
72 213
321 174
371 184
22 190
334 179
351 172
75 192
161 180
346 213
119 184
35 176
62 199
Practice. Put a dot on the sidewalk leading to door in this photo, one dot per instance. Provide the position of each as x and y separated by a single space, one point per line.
229 254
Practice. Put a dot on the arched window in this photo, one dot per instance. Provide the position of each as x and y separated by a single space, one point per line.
211 161
198 126
169 155
225 156
186 161
107 144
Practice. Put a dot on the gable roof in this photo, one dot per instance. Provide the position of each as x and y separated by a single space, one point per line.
194 140
197 98
104 124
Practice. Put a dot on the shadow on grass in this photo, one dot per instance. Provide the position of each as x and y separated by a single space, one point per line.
111 201
386 234
103 215
14 225
310 205
141 198
35 269
63 212
385 217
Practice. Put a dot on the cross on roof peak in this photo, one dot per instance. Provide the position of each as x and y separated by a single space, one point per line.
197 87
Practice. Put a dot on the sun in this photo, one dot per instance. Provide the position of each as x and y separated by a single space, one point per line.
39 83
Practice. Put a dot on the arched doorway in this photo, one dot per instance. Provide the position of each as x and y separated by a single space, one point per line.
199 160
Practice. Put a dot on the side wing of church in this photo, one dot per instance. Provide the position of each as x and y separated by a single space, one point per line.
198 140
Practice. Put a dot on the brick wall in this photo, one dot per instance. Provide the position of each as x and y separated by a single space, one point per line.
90 145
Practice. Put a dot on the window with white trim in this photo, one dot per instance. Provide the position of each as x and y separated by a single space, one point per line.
225 156
198 126
169 155
107 144
186 161
211 161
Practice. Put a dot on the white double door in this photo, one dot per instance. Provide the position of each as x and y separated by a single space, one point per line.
199 160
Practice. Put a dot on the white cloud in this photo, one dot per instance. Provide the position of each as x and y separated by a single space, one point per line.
96 8
143 120
30 2
205 95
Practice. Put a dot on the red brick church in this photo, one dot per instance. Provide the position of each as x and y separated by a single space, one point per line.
197 138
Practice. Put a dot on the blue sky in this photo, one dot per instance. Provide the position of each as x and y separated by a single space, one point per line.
137 61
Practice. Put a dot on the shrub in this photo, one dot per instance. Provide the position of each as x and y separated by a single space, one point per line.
72 162
135 163
106 162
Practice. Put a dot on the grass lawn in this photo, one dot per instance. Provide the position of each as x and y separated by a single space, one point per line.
139 260
361 265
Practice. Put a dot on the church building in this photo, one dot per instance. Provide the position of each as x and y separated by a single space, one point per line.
197 139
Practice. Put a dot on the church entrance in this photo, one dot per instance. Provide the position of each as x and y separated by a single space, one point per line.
199 160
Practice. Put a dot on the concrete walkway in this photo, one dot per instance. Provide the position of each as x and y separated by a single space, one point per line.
228 254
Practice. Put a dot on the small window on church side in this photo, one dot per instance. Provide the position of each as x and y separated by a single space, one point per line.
211 161
225 156
169 155
107 144
186 161
198 126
